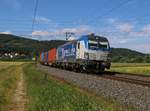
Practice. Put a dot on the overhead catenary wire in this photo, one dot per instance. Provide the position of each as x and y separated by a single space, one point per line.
34 15
106 14
67 22
110 11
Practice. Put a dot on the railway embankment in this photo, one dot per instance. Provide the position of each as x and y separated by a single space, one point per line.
128 94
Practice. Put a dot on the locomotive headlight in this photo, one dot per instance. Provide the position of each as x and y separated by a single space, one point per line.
86 55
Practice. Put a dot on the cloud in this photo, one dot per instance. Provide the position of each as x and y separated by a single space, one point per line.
146 30
118 40
6 32
121 26
78 31
125 27
41 19
128 28
123 41
143 32
111 20
145 48
41 33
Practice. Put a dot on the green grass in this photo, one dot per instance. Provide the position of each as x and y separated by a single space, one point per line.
55 95
130 64
137 68
8 80
6 65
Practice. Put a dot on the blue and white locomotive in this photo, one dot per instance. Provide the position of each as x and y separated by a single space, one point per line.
88 53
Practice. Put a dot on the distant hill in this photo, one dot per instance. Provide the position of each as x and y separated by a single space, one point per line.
128 55
26 48
11 43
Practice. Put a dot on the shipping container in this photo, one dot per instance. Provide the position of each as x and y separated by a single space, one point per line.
45 57
67 52
42 57
51 56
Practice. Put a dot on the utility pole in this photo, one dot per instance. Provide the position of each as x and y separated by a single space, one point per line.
68 35
33 26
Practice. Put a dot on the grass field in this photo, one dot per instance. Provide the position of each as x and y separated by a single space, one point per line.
9 75
4 65
50 94
56 95
137 68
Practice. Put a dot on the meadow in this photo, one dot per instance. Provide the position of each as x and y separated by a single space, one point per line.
9 75
56 95
135 68
48 94
4 65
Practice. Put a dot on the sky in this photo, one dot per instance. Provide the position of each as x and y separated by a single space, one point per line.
126 23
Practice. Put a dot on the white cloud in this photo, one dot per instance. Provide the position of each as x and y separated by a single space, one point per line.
41 33
111 20
118 40
125 27
123 41
143 32
146 30
145 48
120 26
41 19
78 31
6 32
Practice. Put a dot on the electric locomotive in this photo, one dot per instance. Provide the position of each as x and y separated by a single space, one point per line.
88 53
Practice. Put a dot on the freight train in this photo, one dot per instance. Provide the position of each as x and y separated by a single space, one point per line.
88 53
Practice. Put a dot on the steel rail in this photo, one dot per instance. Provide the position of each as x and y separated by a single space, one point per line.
128 80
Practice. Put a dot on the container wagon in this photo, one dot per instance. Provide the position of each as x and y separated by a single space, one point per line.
46 58
42 57
52 57
88 53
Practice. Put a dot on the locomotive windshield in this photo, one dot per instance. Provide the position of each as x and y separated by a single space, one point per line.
98 43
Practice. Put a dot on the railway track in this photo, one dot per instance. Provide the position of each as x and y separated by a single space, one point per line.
137 79
130 74
128 79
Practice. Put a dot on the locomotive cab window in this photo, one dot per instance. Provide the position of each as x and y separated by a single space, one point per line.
98 45
103 45
93 44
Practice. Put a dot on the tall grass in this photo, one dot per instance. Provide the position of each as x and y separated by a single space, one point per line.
130 64
8 80
136 68
54 95
4 65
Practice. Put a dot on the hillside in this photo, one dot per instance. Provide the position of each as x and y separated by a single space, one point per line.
20 42
11 43
25 48
128 55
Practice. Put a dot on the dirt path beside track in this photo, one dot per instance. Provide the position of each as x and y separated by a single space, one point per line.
19 99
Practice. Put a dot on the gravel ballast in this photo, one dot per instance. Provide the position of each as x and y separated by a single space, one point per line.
128 94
